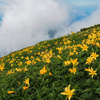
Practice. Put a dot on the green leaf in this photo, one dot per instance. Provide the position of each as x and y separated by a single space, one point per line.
98 91
86 90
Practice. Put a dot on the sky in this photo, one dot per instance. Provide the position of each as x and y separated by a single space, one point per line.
84 2
24 23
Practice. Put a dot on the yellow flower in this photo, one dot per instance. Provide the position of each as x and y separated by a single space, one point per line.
73 40
33 62
38 59
89 36
32 57
68 92
83 41
50 74
91 71
20 63
59 56
9 92
68 41
2 68
28 62
67 62
48 45
85 47
97 44
76 53
25 87
88 41
10 72
89 60
60 49
2 64
85 34
60 42
18 69
12 55
17 57
48 60
26 81
25 69
60 52
12 65
74 62
94 55
44 56
72 70
79 45
22 57
94 36
43 71
72 32
12 61
87 69
27 58
71 53
65 43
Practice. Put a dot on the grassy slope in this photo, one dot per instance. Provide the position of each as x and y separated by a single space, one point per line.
49 87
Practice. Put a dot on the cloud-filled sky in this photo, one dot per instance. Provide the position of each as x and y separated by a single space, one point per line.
26 22
84 2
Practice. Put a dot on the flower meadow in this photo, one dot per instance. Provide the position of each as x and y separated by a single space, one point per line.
66 68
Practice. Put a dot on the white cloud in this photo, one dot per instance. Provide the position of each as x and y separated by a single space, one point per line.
75 10
98 6
26 22
88 21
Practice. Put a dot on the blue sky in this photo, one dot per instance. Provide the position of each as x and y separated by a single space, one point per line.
88 5
26 22
84 2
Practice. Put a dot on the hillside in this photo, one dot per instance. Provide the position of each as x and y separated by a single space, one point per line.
64 68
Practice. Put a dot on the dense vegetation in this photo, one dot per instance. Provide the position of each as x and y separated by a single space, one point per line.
51 68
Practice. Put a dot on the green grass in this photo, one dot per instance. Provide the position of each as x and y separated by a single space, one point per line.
49 87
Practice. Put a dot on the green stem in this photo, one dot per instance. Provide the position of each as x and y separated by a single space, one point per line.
39 95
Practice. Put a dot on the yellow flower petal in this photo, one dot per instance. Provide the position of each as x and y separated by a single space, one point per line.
43 71
25 87
63 93
50 74
68 92
9 92
26 81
